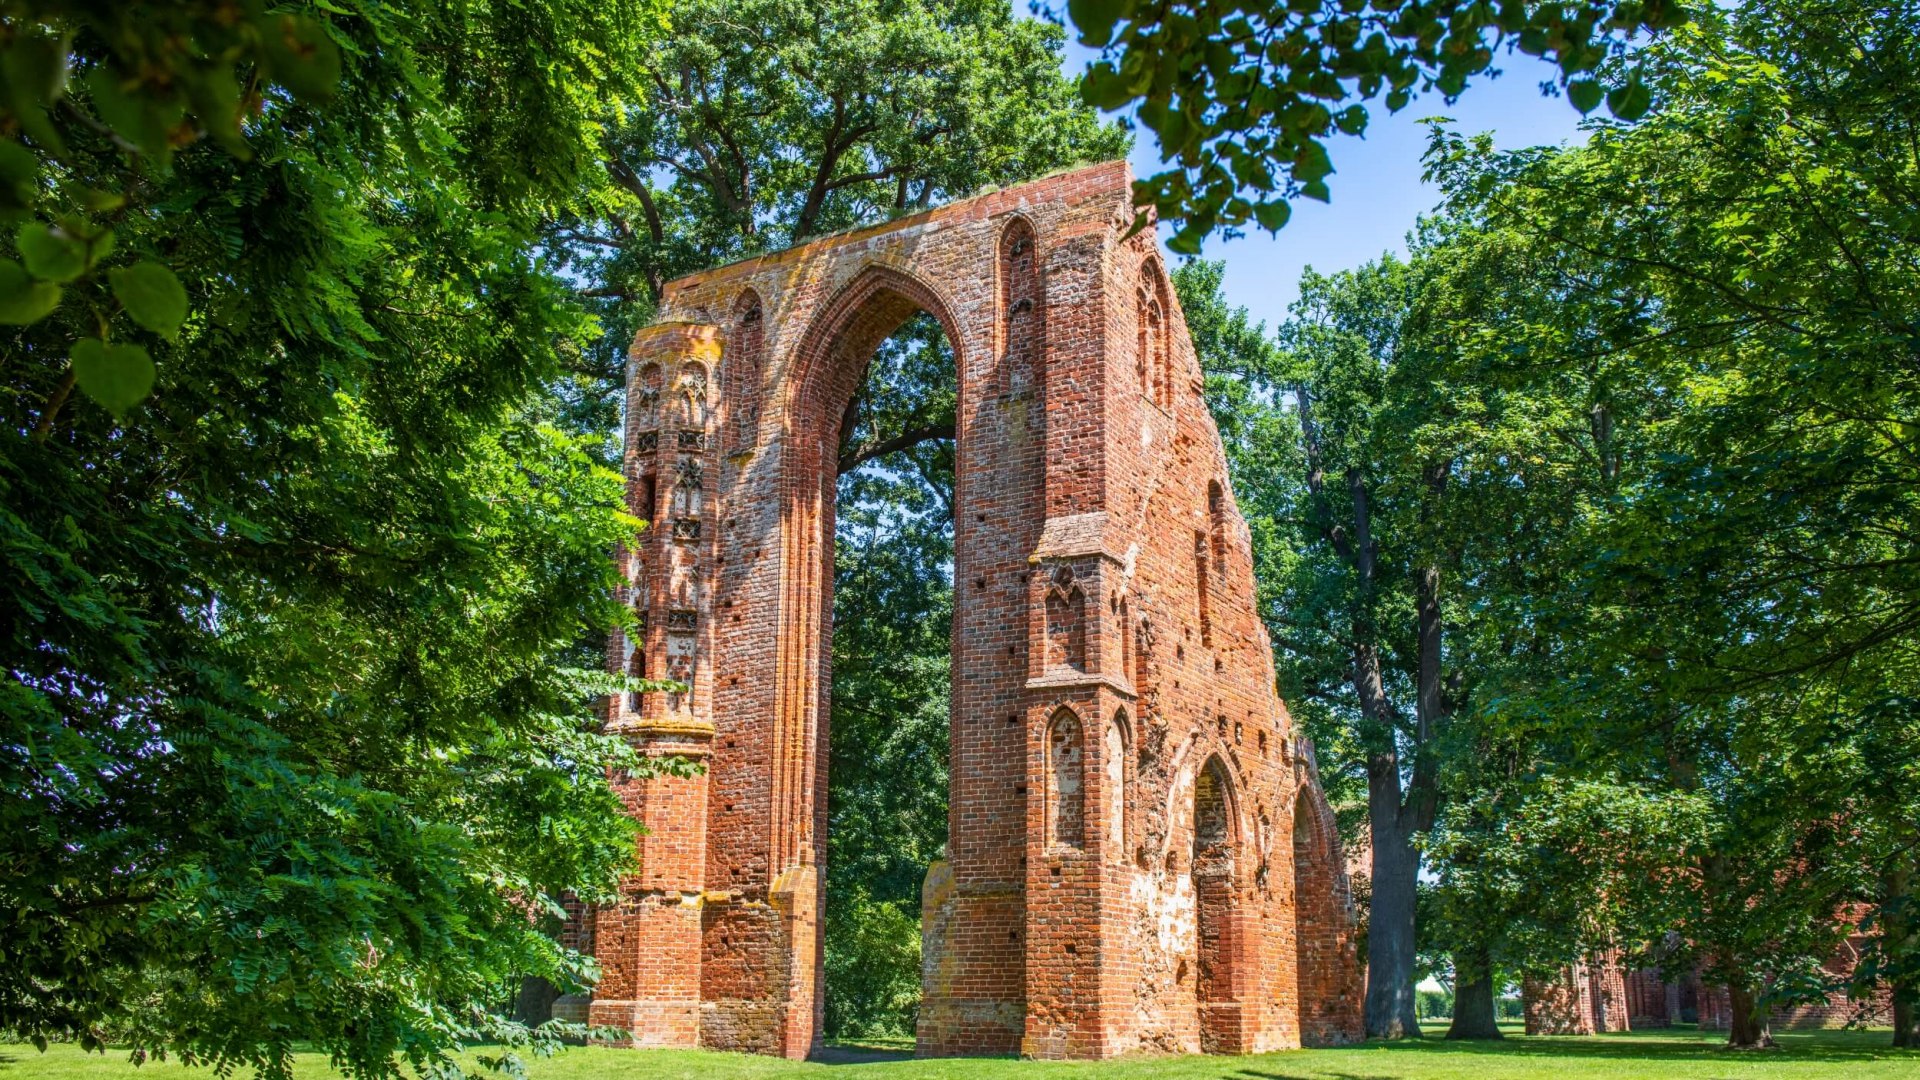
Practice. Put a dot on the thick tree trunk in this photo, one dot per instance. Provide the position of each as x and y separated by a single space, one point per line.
1749 1028
1902 930
1390 1010
1473 1012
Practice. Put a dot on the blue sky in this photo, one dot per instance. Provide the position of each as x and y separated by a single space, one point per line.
1377 192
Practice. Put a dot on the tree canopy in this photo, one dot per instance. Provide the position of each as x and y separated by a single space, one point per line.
1594 514
1243 95
304 593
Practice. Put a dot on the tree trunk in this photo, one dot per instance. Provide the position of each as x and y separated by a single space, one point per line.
1905 1019
1749 1028
1390 928
1902 931
1906 1022
1473 1012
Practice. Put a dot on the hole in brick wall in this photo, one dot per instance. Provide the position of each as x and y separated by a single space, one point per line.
1219 665
1263 743
1056 871
729 808
1013 719
1180 972
1179 652
1009 650
979 517
1021 790
1071 951
1013 935
980 583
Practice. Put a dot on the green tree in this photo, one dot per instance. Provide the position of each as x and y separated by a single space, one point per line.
1244 94
771 121
1742 626
303 596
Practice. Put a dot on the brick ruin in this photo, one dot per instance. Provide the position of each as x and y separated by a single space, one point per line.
1601 995
1591 997
1140 856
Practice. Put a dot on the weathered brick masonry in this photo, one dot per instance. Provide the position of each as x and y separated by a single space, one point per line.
1139 854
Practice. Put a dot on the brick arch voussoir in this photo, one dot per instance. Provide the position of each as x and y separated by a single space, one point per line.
816 371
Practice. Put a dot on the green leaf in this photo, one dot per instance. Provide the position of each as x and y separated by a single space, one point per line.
22 299
1311 163
1096 18
117 376
100 202
51 254
1187 241
1585 95
19 174
1104 88
36 66
301 55
1630 102
216 100
128 112
152 295
1272 215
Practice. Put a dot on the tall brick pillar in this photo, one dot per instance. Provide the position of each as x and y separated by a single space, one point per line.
1078 982
649 944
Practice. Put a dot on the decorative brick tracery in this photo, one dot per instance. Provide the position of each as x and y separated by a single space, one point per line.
1121 766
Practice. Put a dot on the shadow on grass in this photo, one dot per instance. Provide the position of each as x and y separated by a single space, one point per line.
863 1051
1256 1074
1672 1044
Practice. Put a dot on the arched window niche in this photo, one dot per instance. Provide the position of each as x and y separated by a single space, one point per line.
1066 796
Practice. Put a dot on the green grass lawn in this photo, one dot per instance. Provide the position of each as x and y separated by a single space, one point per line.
1681 1054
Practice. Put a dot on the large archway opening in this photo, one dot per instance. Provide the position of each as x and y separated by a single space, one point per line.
891 672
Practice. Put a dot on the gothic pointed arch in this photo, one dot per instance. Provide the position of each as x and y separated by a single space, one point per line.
1066 787
1022 309
744 370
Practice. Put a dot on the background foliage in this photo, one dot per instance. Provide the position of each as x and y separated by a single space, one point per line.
1632 429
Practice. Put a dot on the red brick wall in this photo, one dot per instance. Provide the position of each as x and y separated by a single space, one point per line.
1111 676
1559 1005
1581 999
1835 1010
1650 1002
